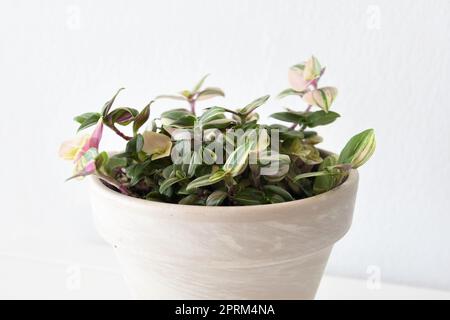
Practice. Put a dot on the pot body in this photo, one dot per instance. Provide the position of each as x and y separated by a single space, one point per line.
276 251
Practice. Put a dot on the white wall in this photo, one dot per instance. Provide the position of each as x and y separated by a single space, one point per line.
389 59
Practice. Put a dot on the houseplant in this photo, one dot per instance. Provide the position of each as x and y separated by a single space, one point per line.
280 202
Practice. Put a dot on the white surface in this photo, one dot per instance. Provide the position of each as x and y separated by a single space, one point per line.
23 276
389 59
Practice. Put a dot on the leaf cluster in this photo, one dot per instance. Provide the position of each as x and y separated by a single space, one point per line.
302 169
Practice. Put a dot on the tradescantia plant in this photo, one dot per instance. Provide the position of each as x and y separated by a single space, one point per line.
222 156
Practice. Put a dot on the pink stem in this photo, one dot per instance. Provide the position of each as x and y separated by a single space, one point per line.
192 103
120 134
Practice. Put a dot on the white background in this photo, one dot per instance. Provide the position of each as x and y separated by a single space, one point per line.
389 60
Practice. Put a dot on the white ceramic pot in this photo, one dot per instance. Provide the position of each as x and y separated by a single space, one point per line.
276 251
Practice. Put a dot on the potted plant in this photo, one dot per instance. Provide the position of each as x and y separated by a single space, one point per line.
215 205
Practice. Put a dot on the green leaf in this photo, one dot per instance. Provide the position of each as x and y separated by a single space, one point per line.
216 198
87 120
237 159
306 152
289 116
191 199
253 105
155 196
326 182
313 140
168 171
122 116
312 174
135 145
179 116
196 160
83 117
141 118
322 97
312 69
174 114
309 134
359 149
115 162
209 93
250 196
183 192
320 118
299 66
306 187
101 162
168 117
274 167
290 92
187 94
279 127
205 180
180 174
291 134
211 114
217 176
202 170
275 198
109 103
101 159
218 124
186 121
200 83
310 155
136 172
169 182
272 189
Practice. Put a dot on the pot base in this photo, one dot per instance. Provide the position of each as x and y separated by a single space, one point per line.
295 279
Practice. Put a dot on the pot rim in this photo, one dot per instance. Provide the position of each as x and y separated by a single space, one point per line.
129 201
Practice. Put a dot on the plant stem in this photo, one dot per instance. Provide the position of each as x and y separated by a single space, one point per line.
192 103
314 84
120 134
255 175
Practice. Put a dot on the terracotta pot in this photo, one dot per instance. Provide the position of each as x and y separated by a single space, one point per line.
276 251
